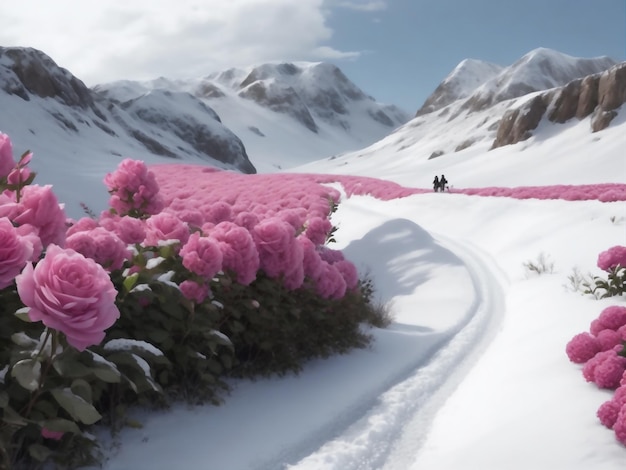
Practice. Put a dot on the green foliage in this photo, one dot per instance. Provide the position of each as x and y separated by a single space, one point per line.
275 330
613 285
50 387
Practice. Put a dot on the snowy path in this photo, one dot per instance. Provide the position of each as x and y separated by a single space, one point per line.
389 435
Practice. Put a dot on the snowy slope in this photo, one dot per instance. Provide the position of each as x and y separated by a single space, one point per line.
309 107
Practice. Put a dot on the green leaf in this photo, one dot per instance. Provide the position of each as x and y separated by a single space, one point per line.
76 406
130 282
82 388
4 399
104 369
68 366
47 408
22 314
61 425
27 372
23 340
13 417
39 452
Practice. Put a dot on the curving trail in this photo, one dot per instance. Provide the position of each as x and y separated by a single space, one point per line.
390 433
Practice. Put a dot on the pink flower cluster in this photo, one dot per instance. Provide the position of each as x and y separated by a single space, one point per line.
611 258
601 352
64 290
133 189
608 192
262 222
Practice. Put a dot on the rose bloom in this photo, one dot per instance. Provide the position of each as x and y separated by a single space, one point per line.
202 256
82 225
133 187
239 253
194 291
6 156
48 434
129 229
71 294
40 208
612 257
165 226
15 251
104 247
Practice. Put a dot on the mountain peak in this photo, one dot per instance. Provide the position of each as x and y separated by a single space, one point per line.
25 71
466 77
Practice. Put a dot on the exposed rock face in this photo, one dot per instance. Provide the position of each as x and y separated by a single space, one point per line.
612 88
36 73
281 99
310 93
597 95
516 124
588 99
203 130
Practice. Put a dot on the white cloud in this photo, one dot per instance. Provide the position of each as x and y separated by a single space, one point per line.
364 6
141 39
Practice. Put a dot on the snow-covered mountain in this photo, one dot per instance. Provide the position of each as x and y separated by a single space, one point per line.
261 104
39 97
460 83
533 103
281 116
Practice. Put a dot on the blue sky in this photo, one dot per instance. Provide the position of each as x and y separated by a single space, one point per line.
397 51
411 45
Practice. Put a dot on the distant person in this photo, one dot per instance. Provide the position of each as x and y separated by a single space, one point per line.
436 183
443 183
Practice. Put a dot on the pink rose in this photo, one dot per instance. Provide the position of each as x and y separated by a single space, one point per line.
349 273
134 189
48 434
71 294
15 251
239 253
194 291
6 156
104 247
274 238
202 256
165 226
330 284
612 257
317 230
18 176
82 225
40 208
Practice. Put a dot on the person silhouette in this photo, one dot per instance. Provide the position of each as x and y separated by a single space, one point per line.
443 183
436 183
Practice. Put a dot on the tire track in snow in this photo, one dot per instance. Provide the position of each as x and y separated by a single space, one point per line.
389 435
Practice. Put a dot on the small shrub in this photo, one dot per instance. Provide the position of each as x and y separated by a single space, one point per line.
542 265
579 282
613 285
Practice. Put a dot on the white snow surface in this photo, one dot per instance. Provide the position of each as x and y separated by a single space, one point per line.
472 373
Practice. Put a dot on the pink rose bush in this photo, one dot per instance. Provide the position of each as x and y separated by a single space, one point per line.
134 190
602 353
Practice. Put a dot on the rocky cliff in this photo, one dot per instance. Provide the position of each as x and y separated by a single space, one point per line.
598 95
